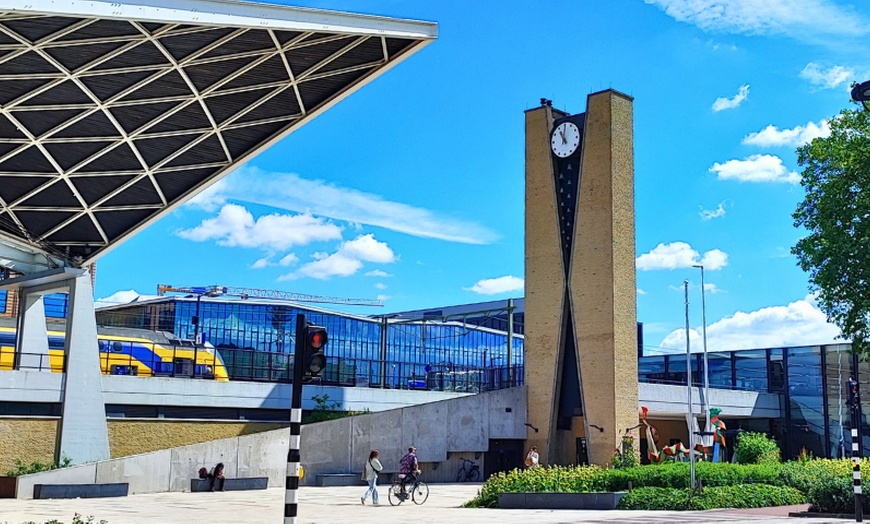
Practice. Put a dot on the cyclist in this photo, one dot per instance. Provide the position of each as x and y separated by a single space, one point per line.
409 468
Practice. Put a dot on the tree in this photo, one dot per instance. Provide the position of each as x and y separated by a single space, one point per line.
836 212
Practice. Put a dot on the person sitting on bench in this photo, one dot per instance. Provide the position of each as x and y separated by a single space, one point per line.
217 474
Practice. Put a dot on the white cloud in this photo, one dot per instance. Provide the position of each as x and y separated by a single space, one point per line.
287 260
494 286
121 297
711 288
772 136
755 168
211 198
293 193
680 255
384 298
378 273
710 214
731 103
380 285
347 259
261 263
797 18
640 291
235 226
826 78
326 266
799 323
366 248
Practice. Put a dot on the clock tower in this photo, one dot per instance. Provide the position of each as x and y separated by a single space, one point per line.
580 301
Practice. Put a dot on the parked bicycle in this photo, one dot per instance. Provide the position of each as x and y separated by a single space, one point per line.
400 491
469 472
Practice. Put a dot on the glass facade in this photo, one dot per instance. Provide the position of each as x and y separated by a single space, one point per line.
811 381
256 341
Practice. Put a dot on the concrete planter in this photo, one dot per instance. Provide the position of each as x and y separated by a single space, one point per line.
605 500
7 487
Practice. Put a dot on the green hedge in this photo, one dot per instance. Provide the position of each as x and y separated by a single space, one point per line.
825 483
552 479
677 475
739 496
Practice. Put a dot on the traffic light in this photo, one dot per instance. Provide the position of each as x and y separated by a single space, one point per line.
854 394
314 338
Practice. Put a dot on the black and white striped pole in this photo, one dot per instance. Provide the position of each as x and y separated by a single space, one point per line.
291 494
308 361
855 408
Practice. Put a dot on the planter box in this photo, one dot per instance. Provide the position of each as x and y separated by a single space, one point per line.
7 487
606 500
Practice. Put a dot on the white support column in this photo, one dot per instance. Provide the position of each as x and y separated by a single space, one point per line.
84 433
31 353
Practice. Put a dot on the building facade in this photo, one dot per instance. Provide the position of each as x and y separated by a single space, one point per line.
256 339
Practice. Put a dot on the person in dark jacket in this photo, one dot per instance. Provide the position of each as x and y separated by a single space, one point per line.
216 477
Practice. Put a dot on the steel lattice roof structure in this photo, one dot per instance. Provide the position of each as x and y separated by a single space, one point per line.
113 114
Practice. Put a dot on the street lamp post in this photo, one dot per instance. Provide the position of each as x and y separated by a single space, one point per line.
691 416
704 331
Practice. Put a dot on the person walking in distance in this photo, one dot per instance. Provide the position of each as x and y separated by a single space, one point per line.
372 468
532 458
409 468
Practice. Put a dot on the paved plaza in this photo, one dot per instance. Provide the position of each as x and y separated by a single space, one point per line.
341 505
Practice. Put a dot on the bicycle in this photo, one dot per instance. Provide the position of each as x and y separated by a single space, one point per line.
469 471
418 492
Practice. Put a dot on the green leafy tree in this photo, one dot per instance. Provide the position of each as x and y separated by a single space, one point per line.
836 212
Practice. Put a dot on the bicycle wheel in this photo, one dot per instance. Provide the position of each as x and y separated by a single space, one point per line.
461 475
474 475
395 494
420 493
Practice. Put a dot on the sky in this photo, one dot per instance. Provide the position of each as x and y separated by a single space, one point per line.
411 190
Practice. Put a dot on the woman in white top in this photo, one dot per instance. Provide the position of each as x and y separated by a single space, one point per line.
372 468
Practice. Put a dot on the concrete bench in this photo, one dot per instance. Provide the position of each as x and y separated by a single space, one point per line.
339 479
231 484
84 491
351 479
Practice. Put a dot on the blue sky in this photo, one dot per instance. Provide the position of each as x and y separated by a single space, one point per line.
412 188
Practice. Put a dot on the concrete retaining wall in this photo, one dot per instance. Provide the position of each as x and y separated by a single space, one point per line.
437 429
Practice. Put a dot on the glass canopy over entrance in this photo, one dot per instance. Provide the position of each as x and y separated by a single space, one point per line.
113 114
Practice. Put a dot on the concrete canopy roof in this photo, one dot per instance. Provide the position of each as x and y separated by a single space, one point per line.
113 114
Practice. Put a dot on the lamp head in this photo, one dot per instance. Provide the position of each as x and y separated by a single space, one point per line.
861 93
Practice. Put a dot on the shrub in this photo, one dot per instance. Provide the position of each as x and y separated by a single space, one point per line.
832 495
550 479
22 468
803 476
325 410
735 496
756 448
626 457
676 475
827 483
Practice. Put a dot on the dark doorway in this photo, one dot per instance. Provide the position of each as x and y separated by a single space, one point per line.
644 451
503 455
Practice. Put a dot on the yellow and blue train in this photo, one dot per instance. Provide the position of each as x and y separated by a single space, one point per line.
130 355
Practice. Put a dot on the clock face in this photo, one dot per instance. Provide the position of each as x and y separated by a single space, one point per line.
565 139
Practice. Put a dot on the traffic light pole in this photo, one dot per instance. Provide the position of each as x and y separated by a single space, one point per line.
855 408
291 495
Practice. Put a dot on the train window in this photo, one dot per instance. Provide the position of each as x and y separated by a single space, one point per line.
124 370
117 347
